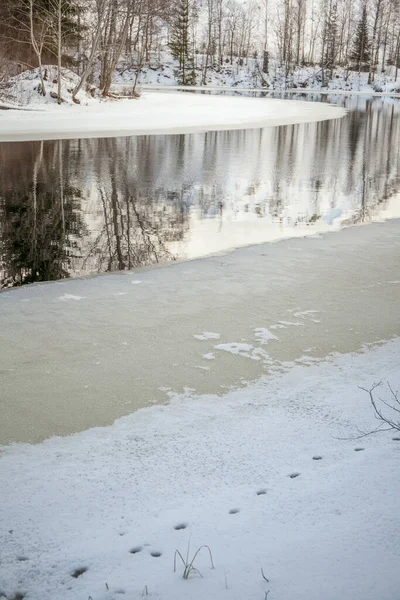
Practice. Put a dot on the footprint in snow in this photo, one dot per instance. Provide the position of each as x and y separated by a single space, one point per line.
396 439
261 492
136 550
317 457
359 449
78 572
180 526
156 554
234 511
294 475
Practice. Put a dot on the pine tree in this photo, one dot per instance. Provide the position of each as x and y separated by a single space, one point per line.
181 43
361 53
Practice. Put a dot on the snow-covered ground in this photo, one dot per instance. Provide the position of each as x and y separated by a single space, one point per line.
156 113
25 90
247 74
259 475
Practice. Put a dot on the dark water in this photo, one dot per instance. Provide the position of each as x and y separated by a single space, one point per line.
78 207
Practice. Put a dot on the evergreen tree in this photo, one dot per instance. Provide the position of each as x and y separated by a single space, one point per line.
361 53
181 44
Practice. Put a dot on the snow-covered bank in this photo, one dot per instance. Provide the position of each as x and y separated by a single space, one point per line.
101 513
26 90
157 113
324 92
248 74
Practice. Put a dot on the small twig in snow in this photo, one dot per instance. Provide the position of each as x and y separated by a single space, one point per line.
263 576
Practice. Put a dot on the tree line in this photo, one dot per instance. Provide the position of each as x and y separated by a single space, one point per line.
91 37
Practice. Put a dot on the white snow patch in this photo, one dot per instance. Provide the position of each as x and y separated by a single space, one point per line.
286 324
237 349
207 335
66 297
137 282
306 313
244 350
209 356
264 335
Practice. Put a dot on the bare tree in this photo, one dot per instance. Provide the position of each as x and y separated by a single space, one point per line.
38 42
30 26
386 410
97 31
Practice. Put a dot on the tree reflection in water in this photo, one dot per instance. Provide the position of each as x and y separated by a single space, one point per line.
40 220
79 207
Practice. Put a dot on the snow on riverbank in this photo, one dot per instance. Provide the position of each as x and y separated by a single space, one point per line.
259 475
248 74
157 113
25 90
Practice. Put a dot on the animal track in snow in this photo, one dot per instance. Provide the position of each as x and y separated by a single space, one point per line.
359 449
234 511
78 572
316 457
180 526
261 492
294 475
136 550
155 553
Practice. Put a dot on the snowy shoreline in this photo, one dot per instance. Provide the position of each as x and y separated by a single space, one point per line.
260 475
261 90
158 113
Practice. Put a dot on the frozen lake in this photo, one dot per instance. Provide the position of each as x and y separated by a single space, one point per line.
80 353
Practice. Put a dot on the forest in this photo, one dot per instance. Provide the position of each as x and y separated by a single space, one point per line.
96 38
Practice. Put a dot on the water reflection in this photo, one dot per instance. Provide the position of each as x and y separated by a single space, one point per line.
79 207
